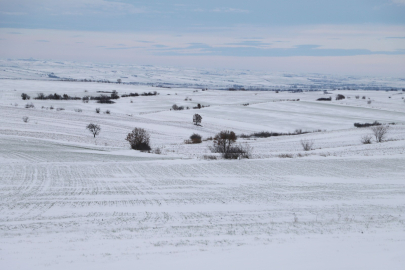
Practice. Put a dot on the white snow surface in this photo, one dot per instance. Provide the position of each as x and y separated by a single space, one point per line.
71 201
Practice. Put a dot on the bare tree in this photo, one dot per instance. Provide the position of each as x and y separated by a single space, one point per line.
380 132
223 141
307 145
197 119
139 139
94 129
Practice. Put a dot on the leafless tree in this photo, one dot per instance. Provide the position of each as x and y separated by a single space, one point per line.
94 129
197 119
223 141
380 132
307 145
139 139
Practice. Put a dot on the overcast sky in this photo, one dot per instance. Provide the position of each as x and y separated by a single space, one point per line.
346 36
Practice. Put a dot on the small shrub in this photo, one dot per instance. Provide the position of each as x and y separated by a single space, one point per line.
60 109
340 97
195 138
157 151
78 110
26 119
51 107
368 101
29 105
238 152
97 110
366 139
286 156
307 145
107 112
210 157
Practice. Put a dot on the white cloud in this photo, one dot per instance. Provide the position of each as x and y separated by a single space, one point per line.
71 7
401 2
230 10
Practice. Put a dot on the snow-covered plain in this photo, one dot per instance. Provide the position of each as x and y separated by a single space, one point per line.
69 201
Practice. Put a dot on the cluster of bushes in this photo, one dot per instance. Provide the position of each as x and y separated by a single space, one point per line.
154 93
267 134
325 99
360 125
177 108
55 96
103 98
378 131
24 96
199 106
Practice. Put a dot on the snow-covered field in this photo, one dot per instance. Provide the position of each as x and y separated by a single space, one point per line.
69 201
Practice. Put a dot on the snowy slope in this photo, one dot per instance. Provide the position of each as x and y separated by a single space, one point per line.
68 200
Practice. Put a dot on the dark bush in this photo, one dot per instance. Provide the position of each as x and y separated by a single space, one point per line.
360 125
103 99
139 139
195 138
340 97
24 96
324 99
115 95
267 134
237 152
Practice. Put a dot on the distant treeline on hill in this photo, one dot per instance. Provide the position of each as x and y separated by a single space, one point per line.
154 93
100 99
55 96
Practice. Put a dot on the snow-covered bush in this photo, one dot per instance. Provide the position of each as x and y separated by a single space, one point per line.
139 139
